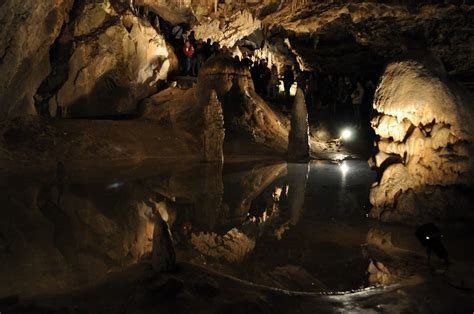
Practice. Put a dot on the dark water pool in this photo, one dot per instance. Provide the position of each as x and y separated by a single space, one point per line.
291 226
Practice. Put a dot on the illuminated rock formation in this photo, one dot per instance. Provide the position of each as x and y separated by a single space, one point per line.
425 128
213 133
246 114
117 61
28 30
298 141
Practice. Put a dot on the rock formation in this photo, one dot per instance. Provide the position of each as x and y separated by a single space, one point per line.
163 258
298 140
117 61
86 60
28 30
246 114
425 130
213 132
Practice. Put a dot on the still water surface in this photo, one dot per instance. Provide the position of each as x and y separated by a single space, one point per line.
292 226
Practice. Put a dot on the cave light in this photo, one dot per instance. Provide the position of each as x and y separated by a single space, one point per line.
344 168
346 134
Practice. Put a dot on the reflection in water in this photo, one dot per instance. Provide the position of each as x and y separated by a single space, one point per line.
297 177
270 223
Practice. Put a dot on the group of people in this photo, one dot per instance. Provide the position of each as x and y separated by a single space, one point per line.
342 97
265 79
346 97
193 52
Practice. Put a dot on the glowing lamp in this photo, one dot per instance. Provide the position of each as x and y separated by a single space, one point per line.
346 134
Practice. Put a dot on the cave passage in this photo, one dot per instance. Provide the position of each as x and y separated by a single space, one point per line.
236 156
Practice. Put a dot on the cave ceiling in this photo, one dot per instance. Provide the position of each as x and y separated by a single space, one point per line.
346 36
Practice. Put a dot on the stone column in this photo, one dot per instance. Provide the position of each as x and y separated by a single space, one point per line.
298 141
213 130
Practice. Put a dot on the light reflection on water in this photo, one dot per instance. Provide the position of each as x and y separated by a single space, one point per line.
297 226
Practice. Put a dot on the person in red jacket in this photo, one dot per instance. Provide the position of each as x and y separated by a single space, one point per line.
188 51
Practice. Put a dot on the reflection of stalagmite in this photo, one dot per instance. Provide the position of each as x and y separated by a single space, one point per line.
208 203
233 246
213 133
298 141
297 177
249 184
163 257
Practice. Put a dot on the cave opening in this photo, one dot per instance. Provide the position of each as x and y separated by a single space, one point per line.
243 156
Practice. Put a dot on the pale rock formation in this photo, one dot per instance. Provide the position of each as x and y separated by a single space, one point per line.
380 274
298 141
213 133
28 29
116 64
227 32
425 130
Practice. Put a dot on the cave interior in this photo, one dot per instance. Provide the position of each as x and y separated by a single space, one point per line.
236 156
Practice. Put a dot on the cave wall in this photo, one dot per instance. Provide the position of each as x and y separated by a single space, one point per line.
425 134
117 60
78 59
28 30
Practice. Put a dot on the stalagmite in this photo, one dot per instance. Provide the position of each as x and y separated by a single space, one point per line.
163 258
298 141
213 133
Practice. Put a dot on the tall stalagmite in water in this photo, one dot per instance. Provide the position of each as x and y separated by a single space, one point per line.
298 140
214 133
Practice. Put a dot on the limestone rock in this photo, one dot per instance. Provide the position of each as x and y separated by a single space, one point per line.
298 141
424 120
227 32
246 114
28 30
213 133
113 67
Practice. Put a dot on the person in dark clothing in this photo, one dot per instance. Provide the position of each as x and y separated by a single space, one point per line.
246 60
265 75
207 48
273 82
192 39
288 80
199 57
215 49
255 75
